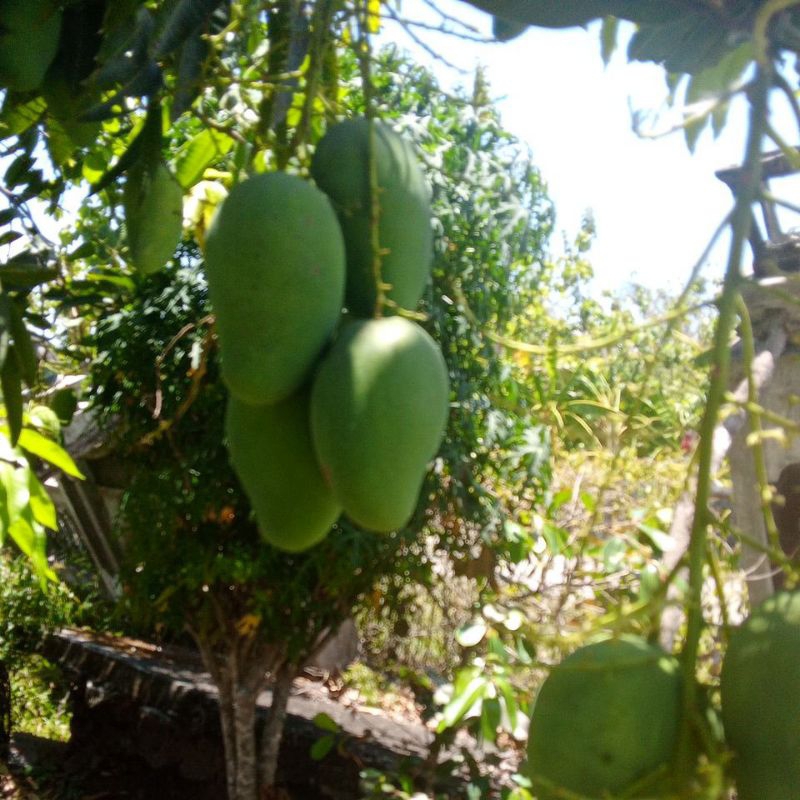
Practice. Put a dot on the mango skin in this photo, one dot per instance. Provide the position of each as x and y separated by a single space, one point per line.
379 407
760 691
605 718
153 205
340 168
28 42
276 271
271 451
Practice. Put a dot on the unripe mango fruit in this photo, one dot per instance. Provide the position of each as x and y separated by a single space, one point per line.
29 31
760 691
271 451
379 407
275 266
606 718
153 203
341 168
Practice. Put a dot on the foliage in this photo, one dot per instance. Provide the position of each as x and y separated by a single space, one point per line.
26 510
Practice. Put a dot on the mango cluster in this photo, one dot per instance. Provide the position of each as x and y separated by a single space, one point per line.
333 407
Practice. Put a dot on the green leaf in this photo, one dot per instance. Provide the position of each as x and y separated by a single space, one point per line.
506 690
9 236
26 270
24 350
491 716
186 17
326 723
689 44
660 540
12 395
463 702
322 747
49 451
560 14
188 80
17 493
31 540
42 508
17 117
504 30
197 154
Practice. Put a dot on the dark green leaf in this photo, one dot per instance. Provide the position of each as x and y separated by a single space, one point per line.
24 350
189 74
186 17
18 170
9 236
690 43
147 81
12 395
560 14
26 270
7 215
505 30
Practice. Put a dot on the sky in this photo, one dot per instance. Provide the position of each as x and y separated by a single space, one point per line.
655 205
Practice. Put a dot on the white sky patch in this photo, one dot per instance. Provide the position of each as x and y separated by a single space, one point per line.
655 205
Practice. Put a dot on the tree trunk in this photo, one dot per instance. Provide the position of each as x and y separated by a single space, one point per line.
273 728
244 714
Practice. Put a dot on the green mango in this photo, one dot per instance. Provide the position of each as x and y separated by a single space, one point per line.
29 31
341 169
606 718
760 690
153 203
275 265
379 407
271 451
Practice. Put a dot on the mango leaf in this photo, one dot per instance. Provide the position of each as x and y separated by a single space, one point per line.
560 14
687 44
12 395
42 508
38 445
30 539
185 18
198 153
17 494
16 117
24 350
504 30
189 75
